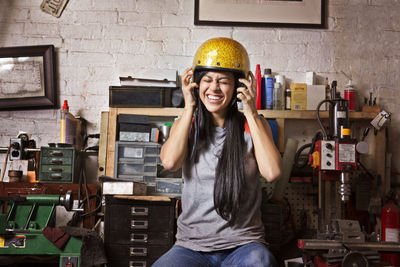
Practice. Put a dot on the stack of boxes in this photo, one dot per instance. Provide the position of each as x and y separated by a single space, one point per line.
137 155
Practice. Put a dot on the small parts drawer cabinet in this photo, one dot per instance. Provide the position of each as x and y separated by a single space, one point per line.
138 232
58 165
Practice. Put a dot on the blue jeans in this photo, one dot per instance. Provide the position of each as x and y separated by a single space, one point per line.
249 255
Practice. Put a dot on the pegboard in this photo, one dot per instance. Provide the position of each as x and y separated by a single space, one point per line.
301 198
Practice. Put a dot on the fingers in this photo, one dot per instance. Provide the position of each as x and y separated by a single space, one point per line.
187 76
253 86
188 87
186 79
243 94
247 93
247 89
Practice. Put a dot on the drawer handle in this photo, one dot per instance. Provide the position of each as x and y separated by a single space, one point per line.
139 238
138 252
56 153
57 161
55 169
140 211
137 264
139 224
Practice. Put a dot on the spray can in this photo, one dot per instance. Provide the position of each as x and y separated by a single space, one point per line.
350 95
268 89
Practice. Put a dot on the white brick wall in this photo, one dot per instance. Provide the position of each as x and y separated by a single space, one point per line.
99 40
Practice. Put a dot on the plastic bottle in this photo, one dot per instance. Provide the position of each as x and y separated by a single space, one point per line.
278 97
281 79
63 114
72 129
259 82
268 89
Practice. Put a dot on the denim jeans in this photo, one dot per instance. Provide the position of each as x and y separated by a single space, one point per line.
249 255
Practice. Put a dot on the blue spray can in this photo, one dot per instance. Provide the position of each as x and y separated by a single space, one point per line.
268 90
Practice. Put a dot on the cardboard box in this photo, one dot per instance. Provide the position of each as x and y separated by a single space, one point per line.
315 94
298 96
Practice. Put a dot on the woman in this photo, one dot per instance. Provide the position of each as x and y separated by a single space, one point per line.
221 152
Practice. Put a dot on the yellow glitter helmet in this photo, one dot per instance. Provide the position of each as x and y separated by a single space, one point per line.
222 54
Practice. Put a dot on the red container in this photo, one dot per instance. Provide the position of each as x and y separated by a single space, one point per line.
390 227
350 95
258 80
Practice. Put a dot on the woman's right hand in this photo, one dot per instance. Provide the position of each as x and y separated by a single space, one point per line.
188 88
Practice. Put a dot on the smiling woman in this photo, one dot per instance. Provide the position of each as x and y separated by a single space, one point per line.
221 151
27 77
216 92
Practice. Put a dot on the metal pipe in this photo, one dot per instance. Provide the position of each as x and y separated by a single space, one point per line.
315 244
4 149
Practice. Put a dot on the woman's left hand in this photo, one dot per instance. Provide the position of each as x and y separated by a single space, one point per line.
247 94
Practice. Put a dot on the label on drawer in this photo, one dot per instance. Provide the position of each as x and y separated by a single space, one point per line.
133 152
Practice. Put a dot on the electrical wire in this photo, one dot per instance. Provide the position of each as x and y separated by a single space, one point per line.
365 133
300 150
93 211
325 136
85 201
87 193
297 156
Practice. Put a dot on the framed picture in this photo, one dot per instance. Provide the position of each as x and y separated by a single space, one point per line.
27 77
261 13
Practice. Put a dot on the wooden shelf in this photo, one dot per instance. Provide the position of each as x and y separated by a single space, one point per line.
270 114
109 125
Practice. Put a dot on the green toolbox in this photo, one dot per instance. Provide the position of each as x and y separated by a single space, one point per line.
58 165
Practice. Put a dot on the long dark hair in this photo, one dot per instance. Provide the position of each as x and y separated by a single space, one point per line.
230 172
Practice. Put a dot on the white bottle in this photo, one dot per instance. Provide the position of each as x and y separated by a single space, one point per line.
281 79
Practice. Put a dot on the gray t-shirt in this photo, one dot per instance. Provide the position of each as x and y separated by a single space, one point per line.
200 228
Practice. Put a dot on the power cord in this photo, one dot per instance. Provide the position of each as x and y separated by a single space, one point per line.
311 145
78 216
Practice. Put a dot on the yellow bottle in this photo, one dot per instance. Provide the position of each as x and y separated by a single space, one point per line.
63 111
72 129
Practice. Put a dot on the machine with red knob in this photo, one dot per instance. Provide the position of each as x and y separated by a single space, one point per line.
335 158
341 240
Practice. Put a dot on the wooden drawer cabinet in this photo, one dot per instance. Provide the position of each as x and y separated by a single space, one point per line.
138 232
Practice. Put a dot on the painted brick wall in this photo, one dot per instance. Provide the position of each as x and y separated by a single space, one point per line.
97 41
